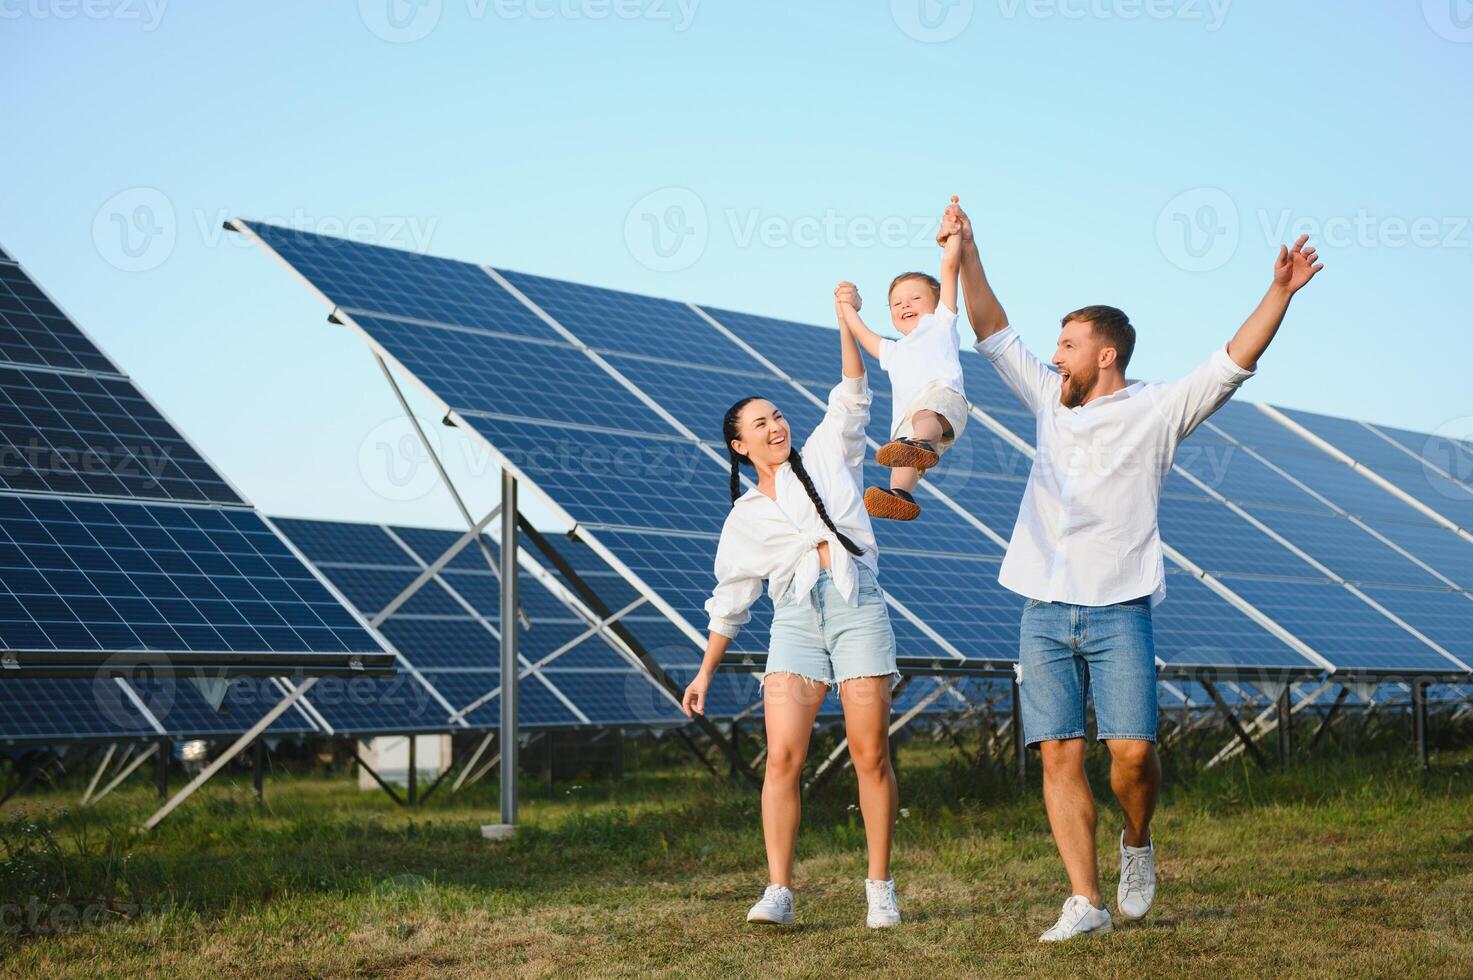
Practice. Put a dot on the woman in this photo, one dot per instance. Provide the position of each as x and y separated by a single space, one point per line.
804 529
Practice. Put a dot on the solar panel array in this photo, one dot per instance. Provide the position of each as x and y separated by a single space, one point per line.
608 404
120 544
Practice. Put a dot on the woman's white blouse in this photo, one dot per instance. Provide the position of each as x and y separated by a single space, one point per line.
777 540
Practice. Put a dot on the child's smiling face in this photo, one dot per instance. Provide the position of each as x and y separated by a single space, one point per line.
911 299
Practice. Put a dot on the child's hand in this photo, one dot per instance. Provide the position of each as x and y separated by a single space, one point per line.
846 293
954 221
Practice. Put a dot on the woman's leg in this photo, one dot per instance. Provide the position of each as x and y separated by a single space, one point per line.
789 705
867 725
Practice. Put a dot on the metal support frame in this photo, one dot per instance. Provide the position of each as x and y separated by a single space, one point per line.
125 772
258 770
1285 720
412 777
1324 724
373 773
1419 720
97 776
1237 726
840 758
651 666
471 763
161 767
235 749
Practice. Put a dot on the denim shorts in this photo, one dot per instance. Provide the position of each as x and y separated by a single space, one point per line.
830 641
1068 652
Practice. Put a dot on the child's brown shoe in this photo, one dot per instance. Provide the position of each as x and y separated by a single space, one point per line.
916 453
892 505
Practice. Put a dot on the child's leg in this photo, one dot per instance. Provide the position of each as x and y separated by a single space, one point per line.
926 426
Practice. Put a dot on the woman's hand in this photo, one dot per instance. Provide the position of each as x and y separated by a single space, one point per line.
694 701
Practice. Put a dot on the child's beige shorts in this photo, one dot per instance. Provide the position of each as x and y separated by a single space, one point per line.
944 401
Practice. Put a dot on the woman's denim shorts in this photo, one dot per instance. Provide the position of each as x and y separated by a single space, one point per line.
830 641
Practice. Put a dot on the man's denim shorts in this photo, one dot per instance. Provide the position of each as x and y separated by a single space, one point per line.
1069 652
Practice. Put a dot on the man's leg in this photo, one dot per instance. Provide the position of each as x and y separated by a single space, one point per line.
1135 776
1071 814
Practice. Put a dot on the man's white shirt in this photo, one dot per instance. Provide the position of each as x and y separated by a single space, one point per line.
1086 531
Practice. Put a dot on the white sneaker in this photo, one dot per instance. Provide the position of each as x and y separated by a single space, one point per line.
884 911
1137 880
1078 918
775 908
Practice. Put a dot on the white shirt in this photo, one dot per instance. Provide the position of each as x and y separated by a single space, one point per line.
1086 531
928 355
778 540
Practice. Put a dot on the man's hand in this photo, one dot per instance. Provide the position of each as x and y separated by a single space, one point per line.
846 293
954 221
1297 266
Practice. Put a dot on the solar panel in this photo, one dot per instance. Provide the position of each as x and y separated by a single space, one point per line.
451 638
119 543
96 436
1417 476
58 709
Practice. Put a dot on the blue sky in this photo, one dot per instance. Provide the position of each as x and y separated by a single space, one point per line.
1145 153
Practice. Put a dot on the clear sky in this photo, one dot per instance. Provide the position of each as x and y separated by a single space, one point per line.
1150 154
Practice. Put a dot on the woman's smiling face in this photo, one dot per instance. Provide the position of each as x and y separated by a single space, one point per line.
763 435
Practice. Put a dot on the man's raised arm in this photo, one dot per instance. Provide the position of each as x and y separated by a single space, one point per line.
1292 272
984 312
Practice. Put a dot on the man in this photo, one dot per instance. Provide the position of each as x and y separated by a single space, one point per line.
1086 554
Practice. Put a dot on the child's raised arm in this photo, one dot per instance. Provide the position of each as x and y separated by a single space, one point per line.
846 308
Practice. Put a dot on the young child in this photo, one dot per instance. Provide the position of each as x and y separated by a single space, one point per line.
930 409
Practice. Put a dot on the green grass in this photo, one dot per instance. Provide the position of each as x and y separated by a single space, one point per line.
1334 867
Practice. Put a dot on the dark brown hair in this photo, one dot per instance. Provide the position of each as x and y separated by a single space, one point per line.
730 432
1112 326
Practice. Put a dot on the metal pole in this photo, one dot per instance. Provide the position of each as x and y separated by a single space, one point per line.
413 770
258 777
161 770
509 666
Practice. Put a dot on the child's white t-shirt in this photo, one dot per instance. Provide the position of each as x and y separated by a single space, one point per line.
928 355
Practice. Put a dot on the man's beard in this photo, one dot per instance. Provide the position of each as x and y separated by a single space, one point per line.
1076 389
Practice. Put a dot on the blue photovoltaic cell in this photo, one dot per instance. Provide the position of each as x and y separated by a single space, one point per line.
379 705
477 371
1195 627
985 388
960 599
93 576
626 323
81 434
1343 629
802 351
1229 470
372 278
34 331
64 708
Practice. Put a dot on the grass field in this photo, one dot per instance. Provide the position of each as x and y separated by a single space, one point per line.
1332 867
